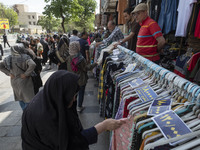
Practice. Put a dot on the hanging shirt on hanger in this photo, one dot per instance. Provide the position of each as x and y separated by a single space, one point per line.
184 13
167 18
197 28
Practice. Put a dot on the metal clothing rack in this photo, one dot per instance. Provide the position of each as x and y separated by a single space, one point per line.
177 81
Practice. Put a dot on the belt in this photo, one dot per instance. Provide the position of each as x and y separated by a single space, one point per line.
150 55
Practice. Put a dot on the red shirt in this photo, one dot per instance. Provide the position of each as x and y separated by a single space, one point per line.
146 41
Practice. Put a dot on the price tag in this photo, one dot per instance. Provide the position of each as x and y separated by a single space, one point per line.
159 106
146 93
130 67
171 125
136 82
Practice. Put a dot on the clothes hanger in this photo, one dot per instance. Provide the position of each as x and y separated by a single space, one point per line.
164 141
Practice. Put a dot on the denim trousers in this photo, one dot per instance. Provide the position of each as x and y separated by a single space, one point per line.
23 105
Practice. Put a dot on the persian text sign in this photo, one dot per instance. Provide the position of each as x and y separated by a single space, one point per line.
136 82
159 106
171 125
4 23
146 93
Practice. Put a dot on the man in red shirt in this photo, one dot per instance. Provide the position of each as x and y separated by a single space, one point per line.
150 39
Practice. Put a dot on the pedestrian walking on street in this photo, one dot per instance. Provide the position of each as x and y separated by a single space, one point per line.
76 63
19 67
51 122
5 40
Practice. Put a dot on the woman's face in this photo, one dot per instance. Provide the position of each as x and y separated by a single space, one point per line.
73 100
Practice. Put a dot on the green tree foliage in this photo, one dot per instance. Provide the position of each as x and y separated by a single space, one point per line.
86 15
64 9
49 23
10 14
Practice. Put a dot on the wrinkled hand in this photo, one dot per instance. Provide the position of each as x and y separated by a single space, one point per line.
23 76
112 124
115 45
12 76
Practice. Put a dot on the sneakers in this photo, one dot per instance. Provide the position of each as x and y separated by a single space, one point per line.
80 109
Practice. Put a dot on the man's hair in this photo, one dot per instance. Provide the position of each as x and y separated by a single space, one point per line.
83 33
127 10
112 23
74 32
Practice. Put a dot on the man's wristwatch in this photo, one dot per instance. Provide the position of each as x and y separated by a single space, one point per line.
121 42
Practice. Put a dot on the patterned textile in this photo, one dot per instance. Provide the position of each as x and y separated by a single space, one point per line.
115 36
100 89
121 136
74 48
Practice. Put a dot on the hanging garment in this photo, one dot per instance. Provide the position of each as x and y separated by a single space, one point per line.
154 9
197 28
122 4
167 18
193 19
184 13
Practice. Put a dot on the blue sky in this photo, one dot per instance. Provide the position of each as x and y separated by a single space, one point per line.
34 5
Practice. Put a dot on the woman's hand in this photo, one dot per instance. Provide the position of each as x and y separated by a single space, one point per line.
23 76
109 124
12 76
112 124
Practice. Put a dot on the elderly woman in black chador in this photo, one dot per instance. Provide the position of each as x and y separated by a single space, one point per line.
50 122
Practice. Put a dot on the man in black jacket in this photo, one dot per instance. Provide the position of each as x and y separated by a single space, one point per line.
5 40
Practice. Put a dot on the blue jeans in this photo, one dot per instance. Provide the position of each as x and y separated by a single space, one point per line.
23 105
81 95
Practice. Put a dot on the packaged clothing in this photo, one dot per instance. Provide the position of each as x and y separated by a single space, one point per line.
197 28
184 13
167 18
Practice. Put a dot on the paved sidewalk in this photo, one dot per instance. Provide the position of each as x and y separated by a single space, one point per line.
10 114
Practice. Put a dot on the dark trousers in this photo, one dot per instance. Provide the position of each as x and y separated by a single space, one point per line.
1 49
5 44
81 95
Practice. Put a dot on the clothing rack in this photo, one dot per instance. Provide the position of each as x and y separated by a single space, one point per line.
178 81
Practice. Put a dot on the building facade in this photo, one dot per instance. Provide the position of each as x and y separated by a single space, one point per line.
28 20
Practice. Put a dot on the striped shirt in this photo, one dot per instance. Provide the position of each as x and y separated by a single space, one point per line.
146 41
115 36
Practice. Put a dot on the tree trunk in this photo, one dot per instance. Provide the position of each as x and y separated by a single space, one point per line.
63 24
63 19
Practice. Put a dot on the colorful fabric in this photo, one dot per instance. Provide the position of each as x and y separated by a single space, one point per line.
75 61
121 136
147 43
197 28
193 61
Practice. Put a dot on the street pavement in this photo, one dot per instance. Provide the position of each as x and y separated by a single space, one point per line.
10 111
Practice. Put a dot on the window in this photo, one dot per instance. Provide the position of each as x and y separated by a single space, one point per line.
29 22
33 23
29 17
33 17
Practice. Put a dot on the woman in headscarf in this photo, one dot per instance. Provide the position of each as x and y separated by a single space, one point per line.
76 63
19 67
50 122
